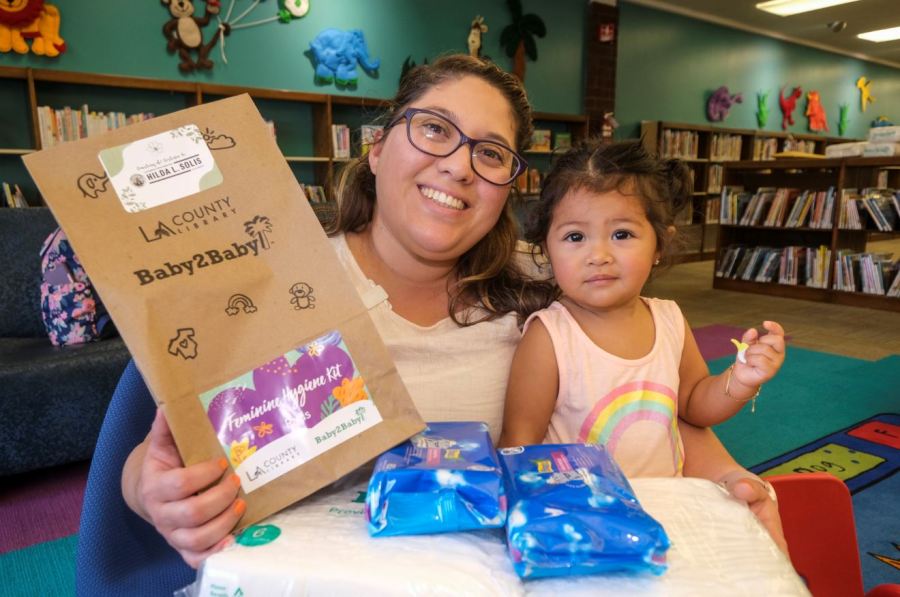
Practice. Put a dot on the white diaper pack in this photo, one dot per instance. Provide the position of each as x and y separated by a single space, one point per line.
321 547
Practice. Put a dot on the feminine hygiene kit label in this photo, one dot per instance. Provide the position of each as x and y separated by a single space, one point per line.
289 410
160 169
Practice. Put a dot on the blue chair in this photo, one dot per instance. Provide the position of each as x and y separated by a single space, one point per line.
118 552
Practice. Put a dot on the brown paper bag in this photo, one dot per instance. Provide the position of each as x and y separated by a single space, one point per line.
229 296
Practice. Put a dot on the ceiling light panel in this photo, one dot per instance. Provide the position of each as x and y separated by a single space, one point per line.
786 8
881 35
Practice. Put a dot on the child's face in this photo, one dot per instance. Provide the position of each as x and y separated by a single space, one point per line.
602 248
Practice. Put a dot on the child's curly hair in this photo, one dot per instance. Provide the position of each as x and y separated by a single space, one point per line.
663 187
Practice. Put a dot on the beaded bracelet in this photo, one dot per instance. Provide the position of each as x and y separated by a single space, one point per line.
752 398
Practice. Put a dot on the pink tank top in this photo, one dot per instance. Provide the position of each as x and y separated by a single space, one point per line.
628 405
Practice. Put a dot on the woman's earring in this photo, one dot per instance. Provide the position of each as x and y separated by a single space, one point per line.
656 262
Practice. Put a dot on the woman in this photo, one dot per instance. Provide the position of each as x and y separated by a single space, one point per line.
429 227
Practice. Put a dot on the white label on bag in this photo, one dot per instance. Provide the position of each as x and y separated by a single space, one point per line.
160 169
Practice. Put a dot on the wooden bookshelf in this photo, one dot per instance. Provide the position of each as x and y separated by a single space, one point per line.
706 150
302 120
815 176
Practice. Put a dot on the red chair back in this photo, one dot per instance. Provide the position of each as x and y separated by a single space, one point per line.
817 516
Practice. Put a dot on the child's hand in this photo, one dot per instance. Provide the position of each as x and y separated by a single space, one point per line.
763 357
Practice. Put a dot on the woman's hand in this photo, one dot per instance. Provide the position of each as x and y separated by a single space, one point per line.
193 507
707 458
755 493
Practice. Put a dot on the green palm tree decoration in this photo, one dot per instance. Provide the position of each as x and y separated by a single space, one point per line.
518 37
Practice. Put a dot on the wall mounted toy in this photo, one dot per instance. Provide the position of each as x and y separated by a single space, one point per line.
815 111
336 53
517 38
720 103
843 119
788 104
293 9
408 65
34 20
762 109
865 95
477 27
184 33
288 11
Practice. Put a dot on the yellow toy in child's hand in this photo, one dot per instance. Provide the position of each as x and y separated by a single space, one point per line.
741 350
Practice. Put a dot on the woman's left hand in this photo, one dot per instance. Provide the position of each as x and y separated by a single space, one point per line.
763 506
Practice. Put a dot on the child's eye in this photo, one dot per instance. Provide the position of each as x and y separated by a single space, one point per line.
622 235
574 237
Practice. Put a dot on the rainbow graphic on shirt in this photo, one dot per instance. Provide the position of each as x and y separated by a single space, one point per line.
628 404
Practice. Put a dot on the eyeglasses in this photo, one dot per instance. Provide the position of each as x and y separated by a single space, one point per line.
432 133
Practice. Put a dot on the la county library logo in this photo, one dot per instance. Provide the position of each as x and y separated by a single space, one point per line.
182 222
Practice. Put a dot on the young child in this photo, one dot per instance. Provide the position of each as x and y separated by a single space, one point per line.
604 364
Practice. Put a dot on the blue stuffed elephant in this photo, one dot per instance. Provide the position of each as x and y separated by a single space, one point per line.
337 52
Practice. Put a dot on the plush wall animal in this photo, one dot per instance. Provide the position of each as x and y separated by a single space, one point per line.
475 30
815 111
865 96
788 105
184 33
720 103
843 119
762 109
336 53
34 20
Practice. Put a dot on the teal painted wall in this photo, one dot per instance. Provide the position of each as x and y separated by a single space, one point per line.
125 38
668 65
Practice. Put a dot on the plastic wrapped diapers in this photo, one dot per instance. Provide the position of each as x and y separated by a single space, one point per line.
573 512
446 478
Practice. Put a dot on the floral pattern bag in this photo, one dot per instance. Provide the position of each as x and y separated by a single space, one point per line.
70 308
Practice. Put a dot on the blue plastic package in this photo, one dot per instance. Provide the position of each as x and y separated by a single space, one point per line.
446 478
572 511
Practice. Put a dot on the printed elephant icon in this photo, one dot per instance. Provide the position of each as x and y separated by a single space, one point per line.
336 53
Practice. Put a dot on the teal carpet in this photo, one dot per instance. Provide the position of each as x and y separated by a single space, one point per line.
26 573
813 395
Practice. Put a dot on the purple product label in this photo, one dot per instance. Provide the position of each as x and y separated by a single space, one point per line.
289 410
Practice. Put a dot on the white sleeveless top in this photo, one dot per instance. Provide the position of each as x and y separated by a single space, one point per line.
628 405
453 373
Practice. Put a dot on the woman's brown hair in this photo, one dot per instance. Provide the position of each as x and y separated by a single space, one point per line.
489 283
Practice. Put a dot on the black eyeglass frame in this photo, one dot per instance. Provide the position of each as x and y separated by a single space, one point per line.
463 140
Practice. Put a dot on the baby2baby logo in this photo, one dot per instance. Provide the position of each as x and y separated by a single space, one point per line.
258 229
289 410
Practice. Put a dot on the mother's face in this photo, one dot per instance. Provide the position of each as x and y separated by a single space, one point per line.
438 208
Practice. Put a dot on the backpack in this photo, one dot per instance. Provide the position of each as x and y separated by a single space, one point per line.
70 308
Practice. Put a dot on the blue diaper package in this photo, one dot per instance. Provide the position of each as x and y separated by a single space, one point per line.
446 478
572 511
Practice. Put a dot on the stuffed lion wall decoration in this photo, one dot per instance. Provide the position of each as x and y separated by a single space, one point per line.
36 20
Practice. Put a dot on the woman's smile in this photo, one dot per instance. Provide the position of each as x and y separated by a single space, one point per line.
443 199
